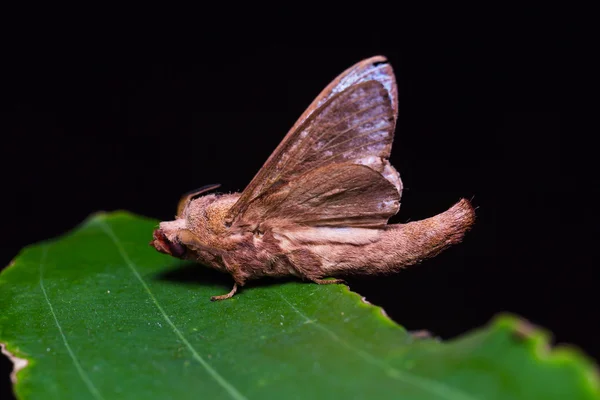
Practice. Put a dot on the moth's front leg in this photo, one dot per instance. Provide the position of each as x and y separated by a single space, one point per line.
237 277
226 296
328 281
309 266
190 240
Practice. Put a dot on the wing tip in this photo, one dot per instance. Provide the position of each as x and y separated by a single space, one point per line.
376 60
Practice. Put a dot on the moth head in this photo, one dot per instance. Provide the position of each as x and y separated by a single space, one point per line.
200 221
165 239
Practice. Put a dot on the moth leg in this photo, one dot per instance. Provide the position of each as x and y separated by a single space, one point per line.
328 281
226 296
239 281
309 266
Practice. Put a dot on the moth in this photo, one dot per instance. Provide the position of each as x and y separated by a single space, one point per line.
319 206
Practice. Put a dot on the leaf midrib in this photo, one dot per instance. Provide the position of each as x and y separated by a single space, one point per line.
224 383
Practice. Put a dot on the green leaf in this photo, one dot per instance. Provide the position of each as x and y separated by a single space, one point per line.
99 314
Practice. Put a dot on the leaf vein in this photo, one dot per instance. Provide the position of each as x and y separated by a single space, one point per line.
84 376
233 392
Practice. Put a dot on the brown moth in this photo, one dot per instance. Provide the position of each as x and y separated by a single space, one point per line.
319 206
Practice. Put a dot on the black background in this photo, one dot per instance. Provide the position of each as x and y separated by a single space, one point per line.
481 115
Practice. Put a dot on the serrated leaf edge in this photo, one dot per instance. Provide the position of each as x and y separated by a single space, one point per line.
535 338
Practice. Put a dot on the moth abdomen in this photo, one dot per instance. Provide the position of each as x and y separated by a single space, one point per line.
399 245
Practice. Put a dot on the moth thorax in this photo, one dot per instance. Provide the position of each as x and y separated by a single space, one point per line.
216 212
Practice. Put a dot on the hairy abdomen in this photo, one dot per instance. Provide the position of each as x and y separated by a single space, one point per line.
399 245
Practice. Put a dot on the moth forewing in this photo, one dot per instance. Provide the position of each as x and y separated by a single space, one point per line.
344 94
320 204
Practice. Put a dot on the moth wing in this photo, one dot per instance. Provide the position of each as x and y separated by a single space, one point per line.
335 195
371 69
352 120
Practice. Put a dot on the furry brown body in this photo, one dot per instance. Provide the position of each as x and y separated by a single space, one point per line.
276 248
319 206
